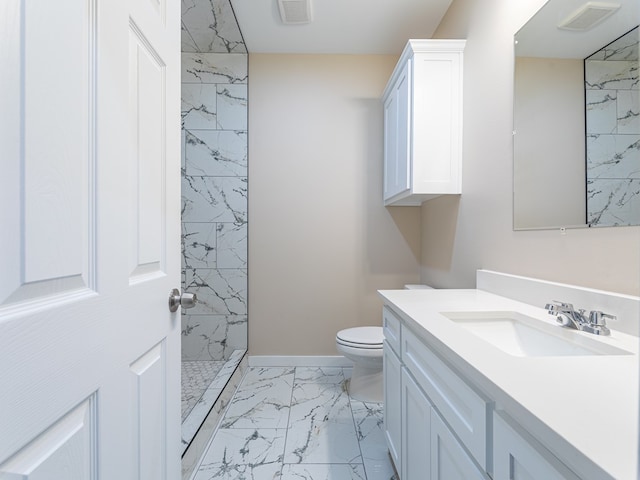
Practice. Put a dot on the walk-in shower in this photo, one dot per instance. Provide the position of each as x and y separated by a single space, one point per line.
214 205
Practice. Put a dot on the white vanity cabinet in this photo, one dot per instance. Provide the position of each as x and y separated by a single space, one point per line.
439 426
449 461
518 456
427 400
416 431
423 123
392 400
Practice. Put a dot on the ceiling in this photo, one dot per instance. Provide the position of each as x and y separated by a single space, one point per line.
541 37
339 26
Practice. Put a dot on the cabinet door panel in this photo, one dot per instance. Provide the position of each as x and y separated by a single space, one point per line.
463 408
397 123
518 458
392 405
403 163
390 144
391 329
416 427
449 461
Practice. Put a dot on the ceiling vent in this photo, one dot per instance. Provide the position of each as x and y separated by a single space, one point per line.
588 15
295 12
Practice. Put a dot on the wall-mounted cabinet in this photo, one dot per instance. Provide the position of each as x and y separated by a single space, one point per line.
423 123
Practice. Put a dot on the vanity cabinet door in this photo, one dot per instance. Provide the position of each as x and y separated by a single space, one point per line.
393 405
416 430
449 461
518 458
464 408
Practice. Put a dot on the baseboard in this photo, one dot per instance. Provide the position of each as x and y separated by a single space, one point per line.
299 361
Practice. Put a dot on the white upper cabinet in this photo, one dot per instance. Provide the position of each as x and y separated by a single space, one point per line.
423 123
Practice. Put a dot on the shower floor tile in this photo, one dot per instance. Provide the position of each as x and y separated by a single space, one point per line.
196 378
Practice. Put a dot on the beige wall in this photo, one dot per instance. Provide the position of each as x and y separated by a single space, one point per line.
549 176
320 241
475 231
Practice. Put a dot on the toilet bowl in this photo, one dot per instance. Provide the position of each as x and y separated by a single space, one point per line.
363 346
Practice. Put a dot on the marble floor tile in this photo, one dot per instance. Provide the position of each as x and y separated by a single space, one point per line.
319 375
323 472
321 428
243 454
301 425
262 400
369 420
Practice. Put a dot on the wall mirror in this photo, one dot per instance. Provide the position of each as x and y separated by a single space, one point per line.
577 116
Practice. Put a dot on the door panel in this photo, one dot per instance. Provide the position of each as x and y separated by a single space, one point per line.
148 168
89 350
66 450
47 150
149 372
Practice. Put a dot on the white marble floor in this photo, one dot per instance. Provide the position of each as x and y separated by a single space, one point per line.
297 423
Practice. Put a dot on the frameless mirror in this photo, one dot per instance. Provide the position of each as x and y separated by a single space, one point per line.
577 116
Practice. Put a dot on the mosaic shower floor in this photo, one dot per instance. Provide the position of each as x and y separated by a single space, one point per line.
202 382
196 378
297 423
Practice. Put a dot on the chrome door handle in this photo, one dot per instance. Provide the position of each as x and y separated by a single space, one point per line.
185 300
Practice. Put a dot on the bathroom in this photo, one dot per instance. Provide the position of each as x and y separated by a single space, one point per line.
320 242
340 243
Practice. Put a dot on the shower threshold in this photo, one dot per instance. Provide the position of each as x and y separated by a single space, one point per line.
202 383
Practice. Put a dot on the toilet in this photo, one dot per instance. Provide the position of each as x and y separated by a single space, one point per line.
363 346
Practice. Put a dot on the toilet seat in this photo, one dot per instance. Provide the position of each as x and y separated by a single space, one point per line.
369 338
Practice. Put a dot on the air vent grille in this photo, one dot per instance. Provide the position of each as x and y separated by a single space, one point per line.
295 12
589 15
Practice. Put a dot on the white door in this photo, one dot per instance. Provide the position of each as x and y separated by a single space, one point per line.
89 239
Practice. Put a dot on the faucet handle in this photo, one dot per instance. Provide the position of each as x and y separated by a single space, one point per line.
557 306
596 317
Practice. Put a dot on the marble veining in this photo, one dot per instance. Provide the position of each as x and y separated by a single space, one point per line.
212 337
323 472
219 291
624 48
214 68
210 26
205 381
263 401
216 153
298 423
613 133
214 203
214 199
199 245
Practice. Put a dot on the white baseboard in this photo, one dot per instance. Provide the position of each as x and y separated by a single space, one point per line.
299 361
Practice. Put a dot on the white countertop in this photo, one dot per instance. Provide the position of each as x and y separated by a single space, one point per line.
588 402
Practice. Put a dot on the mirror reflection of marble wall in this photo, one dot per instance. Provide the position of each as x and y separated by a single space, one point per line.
557 183
613 133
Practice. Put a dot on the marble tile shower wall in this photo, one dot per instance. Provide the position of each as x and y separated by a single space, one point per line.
214 203
613 133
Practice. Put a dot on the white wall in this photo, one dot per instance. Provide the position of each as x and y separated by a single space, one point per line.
321 243
475 231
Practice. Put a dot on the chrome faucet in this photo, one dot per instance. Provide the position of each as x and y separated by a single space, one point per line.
567 316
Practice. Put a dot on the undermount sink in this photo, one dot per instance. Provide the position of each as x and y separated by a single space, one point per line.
523 336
